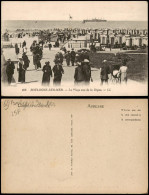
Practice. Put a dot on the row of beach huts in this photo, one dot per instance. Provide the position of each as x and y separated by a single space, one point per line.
82 38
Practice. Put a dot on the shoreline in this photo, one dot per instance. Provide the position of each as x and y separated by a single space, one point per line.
73 24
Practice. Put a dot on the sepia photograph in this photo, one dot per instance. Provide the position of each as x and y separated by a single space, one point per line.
74 146
74 48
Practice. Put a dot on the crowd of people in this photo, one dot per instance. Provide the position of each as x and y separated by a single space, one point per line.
82 72
37 53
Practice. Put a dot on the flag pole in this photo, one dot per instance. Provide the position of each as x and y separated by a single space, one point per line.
70 17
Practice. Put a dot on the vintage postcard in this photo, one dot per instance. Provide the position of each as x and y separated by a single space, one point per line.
74 48
74 146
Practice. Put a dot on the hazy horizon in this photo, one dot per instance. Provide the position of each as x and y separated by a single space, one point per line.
80 20
51 24
79 10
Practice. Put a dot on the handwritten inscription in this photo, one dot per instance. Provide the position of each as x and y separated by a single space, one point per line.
16 112
28 104
19 105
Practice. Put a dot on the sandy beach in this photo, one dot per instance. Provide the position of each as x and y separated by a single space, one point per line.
33 86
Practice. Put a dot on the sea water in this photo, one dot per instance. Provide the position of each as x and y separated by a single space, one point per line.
42 24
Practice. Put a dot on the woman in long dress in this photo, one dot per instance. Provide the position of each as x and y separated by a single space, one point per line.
123 72
21 71
58 71
47 73
25 60
16 49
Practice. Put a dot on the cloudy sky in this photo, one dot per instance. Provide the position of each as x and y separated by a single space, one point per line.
79 10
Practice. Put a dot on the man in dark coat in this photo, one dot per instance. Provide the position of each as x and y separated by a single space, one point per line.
87 71
23 44
104 71
16 49
73 54
67 57
61 57
10 70
58 71
33 46
64 49
56 44
50 46
39 51
25 60
79 77
47 72
21 71
37 61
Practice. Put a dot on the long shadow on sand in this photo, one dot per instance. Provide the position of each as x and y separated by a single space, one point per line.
31 70
29 82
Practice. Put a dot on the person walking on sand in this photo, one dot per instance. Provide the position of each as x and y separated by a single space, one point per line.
123 72
21 71
73 54
87 71
25 60
50 45
16 49
104 71
37 61
24 44
47 73
9 70
67 57
33 50
61 58
79 77
58 71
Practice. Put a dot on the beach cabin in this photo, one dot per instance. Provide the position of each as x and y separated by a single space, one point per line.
128 41
140 40
136 41
103 39
119 39
77 43
111 39
5 37
145 40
